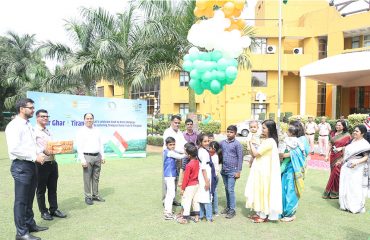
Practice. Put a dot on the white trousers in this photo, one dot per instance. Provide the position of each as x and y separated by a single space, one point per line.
311 140
323 144
190 198
271 216
170 193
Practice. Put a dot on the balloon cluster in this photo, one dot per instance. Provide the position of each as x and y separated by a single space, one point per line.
218 32
209 70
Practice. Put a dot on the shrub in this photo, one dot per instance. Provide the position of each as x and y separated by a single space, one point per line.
155 140
211 127
245 148
356 119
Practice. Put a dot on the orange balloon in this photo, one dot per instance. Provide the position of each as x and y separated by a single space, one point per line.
233 26
236 12
198 12
210 4
228 9
220 3
239 4
201 4
208 12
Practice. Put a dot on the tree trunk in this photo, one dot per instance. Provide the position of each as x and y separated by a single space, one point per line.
126 91
192 104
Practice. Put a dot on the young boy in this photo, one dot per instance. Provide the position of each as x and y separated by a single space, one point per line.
232 153
189 185
170 173
254 137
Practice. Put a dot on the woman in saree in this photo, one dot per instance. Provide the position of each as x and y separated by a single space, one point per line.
338 140
354 176
292 174
263 189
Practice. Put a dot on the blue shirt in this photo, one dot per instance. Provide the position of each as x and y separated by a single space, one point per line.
232 152
169 163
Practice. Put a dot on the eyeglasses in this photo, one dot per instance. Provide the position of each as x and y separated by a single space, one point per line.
29 107
44 116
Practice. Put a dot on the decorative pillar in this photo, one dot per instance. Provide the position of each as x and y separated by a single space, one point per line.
302 101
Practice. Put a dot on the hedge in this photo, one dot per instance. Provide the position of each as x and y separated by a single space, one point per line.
159 127
155 140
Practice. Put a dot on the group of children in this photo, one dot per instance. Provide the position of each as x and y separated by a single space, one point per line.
198 181
202 166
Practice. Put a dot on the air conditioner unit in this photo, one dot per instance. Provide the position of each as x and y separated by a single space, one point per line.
298 50
270 49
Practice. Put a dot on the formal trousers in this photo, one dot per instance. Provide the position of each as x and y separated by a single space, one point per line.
91 175
47 178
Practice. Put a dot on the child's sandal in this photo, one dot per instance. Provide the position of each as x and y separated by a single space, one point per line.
182 220
194 219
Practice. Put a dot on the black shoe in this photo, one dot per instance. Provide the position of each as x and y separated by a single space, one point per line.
98 198
46 216
89 201
225 211
27 237
58 214
37 228
176 203
230 214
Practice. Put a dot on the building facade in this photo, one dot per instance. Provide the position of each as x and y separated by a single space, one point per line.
312 30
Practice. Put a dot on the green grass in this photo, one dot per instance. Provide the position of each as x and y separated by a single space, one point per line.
133 210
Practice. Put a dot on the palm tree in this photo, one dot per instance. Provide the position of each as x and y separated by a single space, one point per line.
21 68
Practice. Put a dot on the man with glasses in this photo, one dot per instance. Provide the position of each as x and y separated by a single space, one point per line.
175 132
23 152
48 172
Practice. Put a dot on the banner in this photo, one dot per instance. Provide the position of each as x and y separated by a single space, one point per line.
122 122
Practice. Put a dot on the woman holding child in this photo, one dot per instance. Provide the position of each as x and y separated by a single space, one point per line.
263 189
354 176
293 169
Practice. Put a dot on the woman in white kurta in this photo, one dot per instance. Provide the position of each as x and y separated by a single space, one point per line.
354 176
263 190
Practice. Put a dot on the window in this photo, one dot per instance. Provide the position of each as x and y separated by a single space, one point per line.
322 48
257 109
184 79
149 92
367 41
321 99
100 92
355 42
260 46
259 79
184 109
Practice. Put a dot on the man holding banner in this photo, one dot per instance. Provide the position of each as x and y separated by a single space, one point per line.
47 173
90 150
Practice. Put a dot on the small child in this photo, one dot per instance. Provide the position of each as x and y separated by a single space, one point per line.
170 173
216 157
211 137
189 187
254 137
291 141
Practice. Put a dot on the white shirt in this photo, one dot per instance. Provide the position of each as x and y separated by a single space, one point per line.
324 128
179 138
43 136
215 161
311 127
21 140
89 140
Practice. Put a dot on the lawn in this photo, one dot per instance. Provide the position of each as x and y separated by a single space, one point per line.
133 210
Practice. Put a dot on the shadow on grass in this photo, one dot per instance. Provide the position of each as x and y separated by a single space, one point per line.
106 191
353 233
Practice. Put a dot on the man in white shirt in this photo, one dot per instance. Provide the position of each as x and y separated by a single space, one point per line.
311 128
324 131
175 132
90 150
23 152
47 173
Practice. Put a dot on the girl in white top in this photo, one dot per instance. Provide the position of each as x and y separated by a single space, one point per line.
216 157
204 177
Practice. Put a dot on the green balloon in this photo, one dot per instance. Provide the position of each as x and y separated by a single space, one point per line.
234 62
231 72
194 83
194 74
216 55
200 66
199 91
186 57
230 81
215 86
205 85
222 64
187 65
